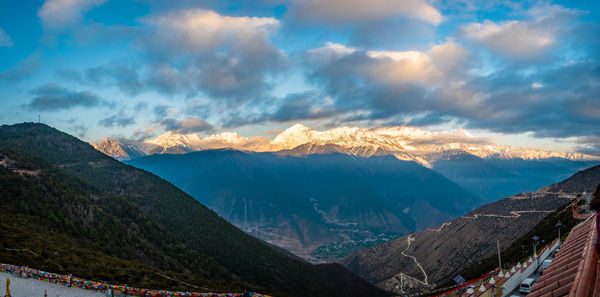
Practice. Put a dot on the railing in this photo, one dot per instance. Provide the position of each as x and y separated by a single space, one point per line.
452 289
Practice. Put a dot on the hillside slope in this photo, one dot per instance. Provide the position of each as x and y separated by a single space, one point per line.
317 206
582 181
432 257
87 213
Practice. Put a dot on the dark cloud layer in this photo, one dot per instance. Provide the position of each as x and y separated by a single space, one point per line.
24 69
52 97
187 125
117 120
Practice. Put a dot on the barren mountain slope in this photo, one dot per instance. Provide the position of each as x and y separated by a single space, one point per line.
432 257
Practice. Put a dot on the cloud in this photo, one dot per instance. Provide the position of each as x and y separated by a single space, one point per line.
24 69
63 13
385 83
347 11
396 67
79 129
566 105
186 125
161 111
204 30
589 145
523 39
203 51
353 84
124 77
52 97
437 86
514 38
117 120
5 40
303 106
140 106
194 52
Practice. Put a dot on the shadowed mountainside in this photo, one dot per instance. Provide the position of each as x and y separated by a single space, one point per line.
313 205
582 181
494 178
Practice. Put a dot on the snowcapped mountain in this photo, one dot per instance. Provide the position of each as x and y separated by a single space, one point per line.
122 149
190 142
408 143
405 143
168 143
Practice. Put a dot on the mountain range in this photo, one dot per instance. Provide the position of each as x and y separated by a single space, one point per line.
319 206
68 208
488 170
405 143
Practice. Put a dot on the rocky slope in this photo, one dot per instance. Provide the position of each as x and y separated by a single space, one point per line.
429 258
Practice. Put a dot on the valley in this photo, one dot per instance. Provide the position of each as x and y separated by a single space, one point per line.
320 206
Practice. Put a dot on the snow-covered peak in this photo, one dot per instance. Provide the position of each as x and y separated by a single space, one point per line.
294 136
122 149
411 143
170 139
227 137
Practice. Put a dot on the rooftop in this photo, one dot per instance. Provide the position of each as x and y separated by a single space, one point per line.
574 270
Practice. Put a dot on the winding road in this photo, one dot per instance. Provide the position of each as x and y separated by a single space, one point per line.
513 215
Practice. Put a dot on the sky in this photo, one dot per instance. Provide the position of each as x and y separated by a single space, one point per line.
525 73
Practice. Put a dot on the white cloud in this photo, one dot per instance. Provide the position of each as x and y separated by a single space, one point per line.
354 10
192 51
397 67
62 13
514 38
200 29
537 85
5 40
542 29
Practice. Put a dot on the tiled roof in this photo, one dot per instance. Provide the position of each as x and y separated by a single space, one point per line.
574 270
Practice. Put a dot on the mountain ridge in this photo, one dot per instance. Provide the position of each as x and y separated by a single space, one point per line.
406 143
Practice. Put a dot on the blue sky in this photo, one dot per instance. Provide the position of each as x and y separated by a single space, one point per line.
526 73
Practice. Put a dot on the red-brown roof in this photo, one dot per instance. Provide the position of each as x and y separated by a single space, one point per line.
574 270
